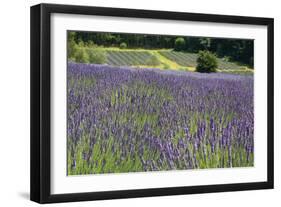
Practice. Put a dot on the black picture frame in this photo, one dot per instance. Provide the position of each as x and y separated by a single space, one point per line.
41 99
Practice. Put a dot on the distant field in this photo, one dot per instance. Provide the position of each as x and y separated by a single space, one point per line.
167 58
189 59
127 58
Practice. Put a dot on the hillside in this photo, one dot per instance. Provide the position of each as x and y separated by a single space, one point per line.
165 59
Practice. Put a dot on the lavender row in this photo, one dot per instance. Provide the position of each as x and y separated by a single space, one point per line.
132 120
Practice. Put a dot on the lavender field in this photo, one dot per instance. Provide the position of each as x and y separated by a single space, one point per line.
122 119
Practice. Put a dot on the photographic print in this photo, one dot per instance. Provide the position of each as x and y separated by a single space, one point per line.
130 103
143 102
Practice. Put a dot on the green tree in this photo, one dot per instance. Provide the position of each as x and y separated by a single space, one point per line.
81 56
123 45
205 42
71 45
96 56
237 50
179 44
193 44
206 62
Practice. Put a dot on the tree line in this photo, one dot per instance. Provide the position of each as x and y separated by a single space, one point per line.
238 50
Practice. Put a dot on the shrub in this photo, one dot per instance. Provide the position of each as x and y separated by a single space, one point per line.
72 49
226 58
206 62
96 56
123 45
81 43
153 60
179 44
91 44
81 56
71 46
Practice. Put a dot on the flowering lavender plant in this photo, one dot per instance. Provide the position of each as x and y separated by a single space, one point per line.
121 119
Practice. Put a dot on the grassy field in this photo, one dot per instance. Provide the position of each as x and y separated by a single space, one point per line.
189 59
128 58
166 59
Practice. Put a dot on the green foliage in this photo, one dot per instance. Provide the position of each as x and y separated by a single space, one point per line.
206 62
238 50
90 44
81 43
226 58
81 56
153 61
96 56
179 44
84 52
123 45
71 45
205 42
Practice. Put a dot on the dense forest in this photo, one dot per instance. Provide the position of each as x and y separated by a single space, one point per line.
238 50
